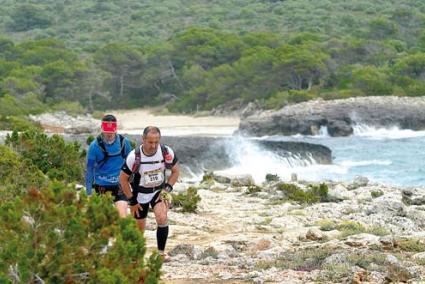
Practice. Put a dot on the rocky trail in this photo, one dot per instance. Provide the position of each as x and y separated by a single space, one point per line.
236 237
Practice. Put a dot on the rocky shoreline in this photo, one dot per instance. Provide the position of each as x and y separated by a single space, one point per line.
364 233
361 232
338 116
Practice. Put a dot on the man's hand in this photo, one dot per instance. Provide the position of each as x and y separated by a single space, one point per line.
167 198
134 209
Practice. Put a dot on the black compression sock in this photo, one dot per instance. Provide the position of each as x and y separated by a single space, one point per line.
161 236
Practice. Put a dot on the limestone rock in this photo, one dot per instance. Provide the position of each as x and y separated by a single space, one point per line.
63 123
338 116
358 181
362 240
413 197
315 235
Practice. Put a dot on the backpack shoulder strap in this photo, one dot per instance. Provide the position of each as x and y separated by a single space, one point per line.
137 160
101 144
168 159
102 147
122 145
136 165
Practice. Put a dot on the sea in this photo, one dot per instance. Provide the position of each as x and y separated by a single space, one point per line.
390 156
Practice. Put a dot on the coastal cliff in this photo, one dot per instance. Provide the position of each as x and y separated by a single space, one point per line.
338 116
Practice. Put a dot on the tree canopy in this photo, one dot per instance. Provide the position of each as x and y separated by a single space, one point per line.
196 55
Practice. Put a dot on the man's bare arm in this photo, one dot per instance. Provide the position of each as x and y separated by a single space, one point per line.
125 186
175 172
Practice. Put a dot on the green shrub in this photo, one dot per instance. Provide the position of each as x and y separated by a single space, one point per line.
326 225
377 231
17 173
253 189
272 177
349 228
208 177
376 193
18 123
90 139
10 106
52 155
337 272
28 104
312 194
277 101
209 252
364 260
301 260
188 200
71 108
412 245
321 191
58 236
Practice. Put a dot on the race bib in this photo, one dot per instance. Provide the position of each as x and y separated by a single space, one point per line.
144 198
153 178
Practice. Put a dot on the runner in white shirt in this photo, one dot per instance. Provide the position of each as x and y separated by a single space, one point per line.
149 163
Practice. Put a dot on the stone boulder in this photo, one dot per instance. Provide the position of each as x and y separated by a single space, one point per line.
413 197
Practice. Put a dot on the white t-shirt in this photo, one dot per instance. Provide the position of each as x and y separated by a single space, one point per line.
152 168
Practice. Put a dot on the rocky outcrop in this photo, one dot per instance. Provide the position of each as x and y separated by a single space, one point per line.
199 154
338 116
209 153
61 122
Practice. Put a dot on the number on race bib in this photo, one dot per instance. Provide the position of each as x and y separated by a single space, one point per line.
153 178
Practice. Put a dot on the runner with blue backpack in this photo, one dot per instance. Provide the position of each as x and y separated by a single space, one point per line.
105 157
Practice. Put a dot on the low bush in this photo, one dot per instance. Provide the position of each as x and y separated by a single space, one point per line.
71 108
412 245
188 201
327 225
376 193
313 193
301 260
349 228
272 177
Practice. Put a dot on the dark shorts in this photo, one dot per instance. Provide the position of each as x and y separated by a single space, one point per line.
145 207
115 191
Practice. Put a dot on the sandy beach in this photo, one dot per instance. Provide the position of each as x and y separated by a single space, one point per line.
133 122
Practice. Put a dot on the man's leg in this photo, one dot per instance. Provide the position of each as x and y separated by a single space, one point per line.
160 210
122 208
141 223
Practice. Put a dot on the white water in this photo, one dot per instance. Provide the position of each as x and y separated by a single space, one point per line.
387 155
393 132
249 158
